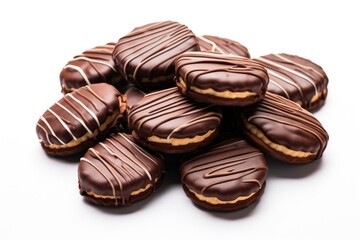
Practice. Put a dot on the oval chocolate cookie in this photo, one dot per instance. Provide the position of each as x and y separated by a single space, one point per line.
284 130
79 119
209 43
92 66
168 122
146 55
297 79
224 177
118 172
220 79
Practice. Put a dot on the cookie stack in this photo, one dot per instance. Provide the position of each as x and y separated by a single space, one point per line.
162 91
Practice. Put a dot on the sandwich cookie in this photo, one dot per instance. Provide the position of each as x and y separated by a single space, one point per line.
80 119
167 122
145 56
92 66
284 130
227 176
297 79
118 172
220 79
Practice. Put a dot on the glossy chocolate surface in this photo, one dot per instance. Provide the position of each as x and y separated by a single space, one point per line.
78 113
116 168
227 170
146 55
296 78
285 123
209 43
221 73
92 66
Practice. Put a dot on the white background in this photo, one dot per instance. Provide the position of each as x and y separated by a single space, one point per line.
39 196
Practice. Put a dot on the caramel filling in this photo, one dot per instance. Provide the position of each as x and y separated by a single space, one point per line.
216 201
318 95
180 141
224 94
299 154
88 135
133 193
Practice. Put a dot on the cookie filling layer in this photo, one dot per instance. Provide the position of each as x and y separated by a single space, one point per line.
223 94
216 201
181 141
133 193
259 134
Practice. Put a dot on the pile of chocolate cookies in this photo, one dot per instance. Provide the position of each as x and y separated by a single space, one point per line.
162 91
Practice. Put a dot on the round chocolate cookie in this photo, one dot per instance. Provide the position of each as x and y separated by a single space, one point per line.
227 176
80 119
146 55
284 130
118 172
92 66
168 122
220 79
297 79
209 43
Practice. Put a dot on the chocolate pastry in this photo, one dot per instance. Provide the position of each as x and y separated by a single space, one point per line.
168 122
146 55
209 43
226 80
284 130
80 119
92 66
297 79
118 172
227 176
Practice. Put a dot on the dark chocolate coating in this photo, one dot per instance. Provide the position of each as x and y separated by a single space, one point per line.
220 73
228 170
117 167
209 43
167 114
73 123
92 66
296 78
286 124
146 55
133 95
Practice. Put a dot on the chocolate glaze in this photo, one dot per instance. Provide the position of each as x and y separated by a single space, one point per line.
117 167
296 78
148 52
168 114
227 170
133 95
209 43
285 123
221 73
76 114
92 66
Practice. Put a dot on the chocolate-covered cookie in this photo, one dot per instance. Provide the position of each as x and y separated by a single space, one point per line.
209 43
297 79
284 130
168 122
227 176
118 172
80 119
92 66
220 79
146 55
